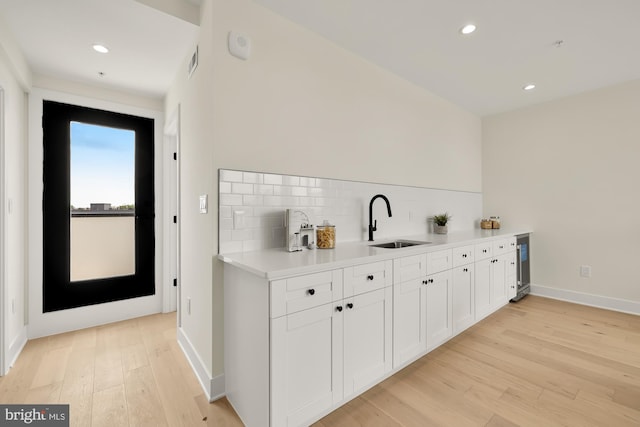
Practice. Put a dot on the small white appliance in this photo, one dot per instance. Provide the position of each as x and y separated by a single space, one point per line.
299 230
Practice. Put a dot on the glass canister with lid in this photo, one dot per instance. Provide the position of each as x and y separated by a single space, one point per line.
326 236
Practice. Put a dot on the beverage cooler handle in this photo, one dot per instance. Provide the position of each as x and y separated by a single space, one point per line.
519 255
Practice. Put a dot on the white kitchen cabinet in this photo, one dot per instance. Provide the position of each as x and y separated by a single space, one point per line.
439 308
494 279
464 308
306 364
299 346
409 320
367 339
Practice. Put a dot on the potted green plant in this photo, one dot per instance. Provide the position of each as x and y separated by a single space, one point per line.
440 223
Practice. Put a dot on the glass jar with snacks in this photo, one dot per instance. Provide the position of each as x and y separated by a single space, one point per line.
486 224
326 236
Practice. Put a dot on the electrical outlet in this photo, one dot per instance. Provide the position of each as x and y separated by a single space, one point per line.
585 271
238 220
189 306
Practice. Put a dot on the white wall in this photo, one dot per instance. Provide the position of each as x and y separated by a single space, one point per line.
14 80
569 170
300 105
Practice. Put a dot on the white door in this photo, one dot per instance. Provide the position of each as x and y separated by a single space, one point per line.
409 320
306 376
439 308
463 298
367 339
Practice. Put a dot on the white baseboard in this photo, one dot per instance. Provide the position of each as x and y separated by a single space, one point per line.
615 304
212 386
15 348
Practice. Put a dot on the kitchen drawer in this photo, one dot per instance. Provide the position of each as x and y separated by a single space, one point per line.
463 255
367 277
503 246
439 261
302 292
409 268
483 250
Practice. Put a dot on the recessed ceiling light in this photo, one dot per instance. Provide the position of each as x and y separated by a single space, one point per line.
530 86
468 29
100 48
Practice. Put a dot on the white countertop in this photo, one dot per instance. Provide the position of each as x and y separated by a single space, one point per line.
279 263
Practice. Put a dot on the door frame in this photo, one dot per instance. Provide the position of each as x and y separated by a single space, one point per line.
4 349
43 324
171 178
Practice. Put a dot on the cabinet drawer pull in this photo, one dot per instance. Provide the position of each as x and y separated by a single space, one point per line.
424 282
465 269
370 277
311 291
484 251
350 305
464 255
339 308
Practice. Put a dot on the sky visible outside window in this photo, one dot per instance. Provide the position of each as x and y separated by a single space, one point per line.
102 165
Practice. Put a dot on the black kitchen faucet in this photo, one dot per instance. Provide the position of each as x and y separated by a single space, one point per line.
373 225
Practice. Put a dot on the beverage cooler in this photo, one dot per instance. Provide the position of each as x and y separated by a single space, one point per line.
524 266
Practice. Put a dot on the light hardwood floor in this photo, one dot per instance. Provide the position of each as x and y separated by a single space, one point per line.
537 363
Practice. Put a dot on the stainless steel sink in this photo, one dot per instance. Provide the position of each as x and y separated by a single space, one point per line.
396 244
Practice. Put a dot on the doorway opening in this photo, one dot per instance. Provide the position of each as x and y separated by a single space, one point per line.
98 206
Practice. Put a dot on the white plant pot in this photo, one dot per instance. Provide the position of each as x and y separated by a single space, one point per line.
440 229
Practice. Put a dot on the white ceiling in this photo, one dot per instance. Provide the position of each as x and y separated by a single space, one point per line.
147 46
416 39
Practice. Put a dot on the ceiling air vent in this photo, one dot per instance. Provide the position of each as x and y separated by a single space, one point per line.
193 63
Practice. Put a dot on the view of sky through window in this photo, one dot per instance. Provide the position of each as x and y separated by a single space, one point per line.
102 165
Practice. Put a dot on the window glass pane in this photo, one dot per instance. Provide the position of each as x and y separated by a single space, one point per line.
102 180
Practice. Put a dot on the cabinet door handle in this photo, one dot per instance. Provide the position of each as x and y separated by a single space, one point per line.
350 305
370 277
424 282
464 255
339 308
311 291
465 270
484 251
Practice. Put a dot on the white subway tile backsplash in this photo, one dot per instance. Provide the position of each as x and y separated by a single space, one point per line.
307 182
230 175
290 180
252 178
225 211
265 197
253 200
263 189
241 188
230 200
225 187
272 179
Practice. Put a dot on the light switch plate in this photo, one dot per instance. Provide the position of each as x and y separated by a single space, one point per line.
238 220
203 204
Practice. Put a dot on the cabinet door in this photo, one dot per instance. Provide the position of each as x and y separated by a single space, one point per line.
409 320
306 364
463 298
367 339
499 281
483 288
439 308
512 286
